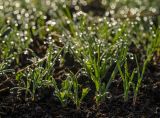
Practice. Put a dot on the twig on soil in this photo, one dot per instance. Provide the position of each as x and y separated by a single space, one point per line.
2 83
39 60
117 97
2 113
35 63
157 83
4 89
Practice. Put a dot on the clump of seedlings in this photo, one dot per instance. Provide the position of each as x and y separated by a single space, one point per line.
80 49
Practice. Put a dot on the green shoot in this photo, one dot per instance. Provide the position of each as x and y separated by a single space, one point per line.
74 95
31 80
150 50
127 79
64 92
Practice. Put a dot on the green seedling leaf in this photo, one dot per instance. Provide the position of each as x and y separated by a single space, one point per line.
7 32
84 93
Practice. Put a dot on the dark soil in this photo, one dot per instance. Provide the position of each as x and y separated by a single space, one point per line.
147 106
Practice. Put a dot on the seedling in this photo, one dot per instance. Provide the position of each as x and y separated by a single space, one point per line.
154 45
127 79
31 80
74 95
70 89
62 93
96 60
